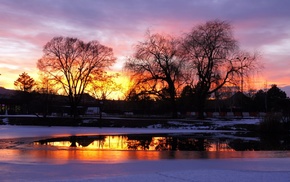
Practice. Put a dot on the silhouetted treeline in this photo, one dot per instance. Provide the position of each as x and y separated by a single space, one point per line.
19 102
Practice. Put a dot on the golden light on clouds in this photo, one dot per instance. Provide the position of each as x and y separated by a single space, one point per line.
27 27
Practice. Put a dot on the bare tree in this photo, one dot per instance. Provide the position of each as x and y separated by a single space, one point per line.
24 82
215 58
157 67
249 66
72 63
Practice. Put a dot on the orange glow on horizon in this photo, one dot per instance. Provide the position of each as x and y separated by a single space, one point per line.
7 81
124 82
261 82
22 44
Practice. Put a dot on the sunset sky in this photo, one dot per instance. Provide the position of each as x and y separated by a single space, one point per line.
27 25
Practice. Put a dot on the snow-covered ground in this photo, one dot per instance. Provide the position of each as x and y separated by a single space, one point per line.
25 164
162 170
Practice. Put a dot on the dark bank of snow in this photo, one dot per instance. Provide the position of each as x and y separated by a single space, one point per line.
211 124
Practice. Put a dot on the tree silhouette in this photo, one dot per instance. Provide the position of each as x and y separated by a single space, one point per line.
73 63
187 99
24 82
260 100
157 67
274 97
215 57
46 93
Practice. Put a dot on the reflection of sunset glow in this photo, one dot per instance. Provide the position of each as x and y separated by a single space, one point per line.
125 143
115 143
107 156
120 148
159 143
220 146
59 144
110 142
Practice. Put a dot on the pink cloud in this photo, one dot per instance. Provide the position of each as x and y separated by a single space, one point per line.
27 25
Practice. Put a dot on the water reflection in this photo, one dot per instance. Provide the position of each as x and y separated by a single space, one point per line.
108 156
168 142
121 148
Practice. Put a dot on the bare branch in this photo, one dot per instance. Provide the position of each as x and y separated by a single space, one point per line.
72 62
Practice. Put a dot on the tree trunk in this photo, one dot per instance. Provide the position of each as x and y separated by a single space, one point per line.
174 108
73 108
172 98
201 105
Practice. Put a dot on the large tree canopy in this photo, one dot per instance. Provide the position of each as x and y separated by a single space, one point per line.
157 67
73 63
215 58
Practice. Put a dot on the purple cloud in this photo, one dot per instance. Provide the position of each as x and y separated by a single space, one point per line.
258 25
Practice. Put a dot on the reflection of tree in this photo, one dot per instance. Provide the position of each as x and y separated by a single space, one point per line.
192 144
139 142
163 143
81 141
243 145
73 141
275 142
86 141
173 143
269 143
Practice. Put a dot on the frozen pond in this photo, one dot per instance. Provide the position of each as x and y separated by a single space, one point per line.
121 144
31 153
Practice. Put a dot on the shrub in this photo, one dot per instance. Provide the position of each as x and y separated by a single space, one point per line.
274 123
